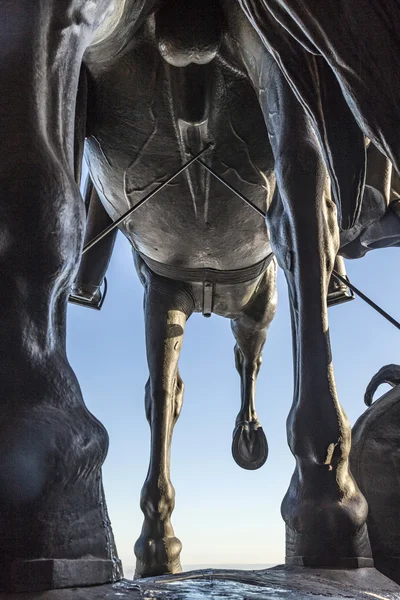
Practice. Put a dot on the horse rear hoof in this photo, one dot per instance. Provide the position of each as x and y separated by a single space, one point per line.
249 445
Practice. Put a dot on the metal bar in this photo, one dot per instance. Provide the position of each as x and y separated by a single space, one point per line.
366 299
111 227
235 191
334 273
246 201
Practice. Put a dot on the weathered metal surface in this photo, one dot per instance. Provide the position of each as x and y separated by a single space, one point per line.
374 461
163 79
279 583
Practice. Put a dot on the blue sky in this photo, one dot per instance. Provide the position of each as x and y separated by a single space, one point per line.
223 514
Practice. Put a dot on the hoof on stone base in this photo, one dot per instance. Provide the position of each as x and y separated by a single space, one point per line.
328 551
156 557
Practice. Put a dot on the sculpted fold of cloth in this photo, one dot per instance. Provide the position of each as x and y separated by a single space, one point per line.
314 84
361 44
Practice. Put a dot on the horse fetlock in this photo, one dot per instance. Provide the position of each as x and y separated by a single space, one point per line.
324 499
157 499
49 446
328 451
157 550
247 415
50 474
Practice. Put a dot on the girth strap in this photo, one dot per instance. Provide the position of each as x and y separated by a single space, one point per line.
208 275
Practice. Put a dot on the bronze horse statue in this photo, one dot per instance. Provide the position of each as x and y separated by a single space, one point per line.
168 286
72 69
196 248
191 242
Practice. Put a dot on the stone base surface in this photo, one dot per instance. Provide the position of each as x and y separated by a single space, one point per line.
45 574
389 566
279 583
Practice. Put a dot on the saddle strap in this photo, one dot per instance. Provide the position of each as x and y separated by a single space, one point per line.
208 275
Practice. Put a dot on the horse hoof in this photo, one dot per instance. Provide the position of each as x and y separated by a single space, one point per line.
249 445
321 549
157 556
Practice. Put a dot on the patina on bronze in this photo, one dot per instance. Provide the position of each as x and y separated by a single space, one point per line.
148 83
195 225
376 466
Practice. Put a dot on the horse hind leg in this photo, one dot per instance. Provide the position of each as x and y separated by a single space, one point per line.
249 444
167 308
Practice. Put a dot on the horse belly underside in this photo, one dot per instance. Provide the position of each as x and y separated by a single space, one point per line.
146 119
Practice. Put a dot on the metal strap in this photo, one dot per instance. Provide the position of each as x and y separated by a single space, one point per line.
208 289
213 276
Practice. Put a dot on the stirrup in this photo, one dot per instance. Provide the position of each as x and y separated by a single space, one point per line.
96 302
338 292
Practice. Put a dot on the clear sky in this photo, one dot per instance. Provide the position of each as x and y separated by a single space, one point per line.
223 514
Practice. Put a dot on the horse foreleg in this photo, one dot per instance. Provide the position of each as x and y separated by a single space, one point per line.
249 445
324 510
54 529
167 308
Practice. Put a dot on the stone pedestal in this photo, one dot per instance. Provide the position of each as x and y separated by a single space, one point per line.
278 583
45 574
54 526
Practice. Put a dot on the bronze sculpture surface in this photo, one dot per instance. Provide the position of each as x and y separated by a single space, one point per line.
186 106
281 582
375 464
61 84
